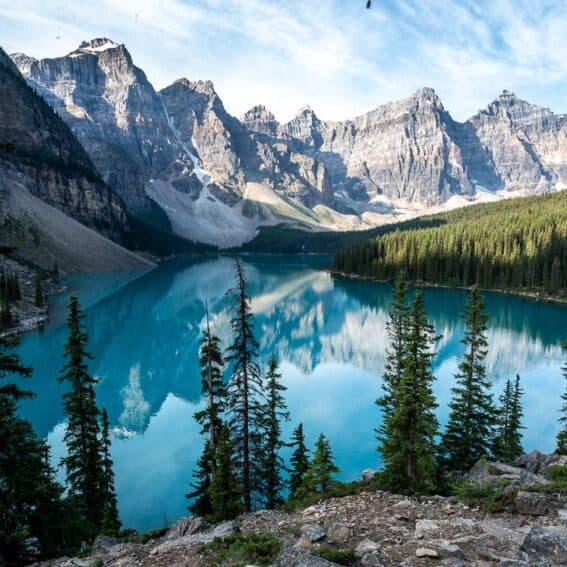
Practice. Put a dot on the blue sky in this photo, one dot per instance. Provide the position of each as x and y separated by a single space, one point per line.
334 55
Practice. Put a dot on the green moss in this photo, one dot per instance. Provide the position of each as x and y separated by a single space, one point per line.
490 497
339 556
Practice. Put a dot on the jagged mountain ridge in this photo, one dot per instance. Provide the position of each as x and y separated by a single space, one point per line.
48 183
218 177
48 160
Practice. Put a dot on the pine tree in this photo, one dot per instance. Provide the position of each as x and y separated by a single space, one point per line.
210 419
469 433
272 463
508 441
299 459
408 450
30 499
394 365
38 293
110 519
245 388
562 435
82 463
225 491
318 478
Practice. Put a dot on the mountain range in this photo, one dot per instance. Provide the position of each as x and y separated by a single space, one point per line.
178 156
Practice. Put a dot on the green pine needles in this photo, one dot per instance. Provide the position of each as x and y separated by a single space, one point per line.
469 433
90 480
508 441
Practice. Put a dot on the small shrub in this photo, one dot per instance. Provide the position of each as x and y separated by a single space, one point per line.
490 497
242 549
339 556
557 474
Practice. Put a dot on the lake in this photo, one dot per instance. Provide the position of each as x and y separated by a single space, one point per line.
329 335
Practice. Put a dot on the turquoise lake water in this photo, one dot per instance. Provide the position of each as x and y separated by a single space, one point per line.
329 335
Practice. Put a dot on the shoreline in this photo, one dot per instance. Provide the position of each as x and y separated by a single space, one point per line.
524 294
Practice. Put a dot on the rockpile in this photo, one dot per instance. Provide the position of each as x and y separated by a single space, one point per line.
377 528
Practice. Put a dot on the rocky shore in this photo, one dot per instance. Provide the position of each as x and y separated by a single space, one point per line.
26 315
375 528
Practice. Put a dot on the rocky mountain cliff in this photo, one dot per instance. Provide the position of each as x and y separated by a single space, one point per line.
218 177
54 205
46 159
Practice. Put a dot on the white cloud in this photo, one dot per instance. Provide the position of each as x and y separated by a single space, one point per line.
338 57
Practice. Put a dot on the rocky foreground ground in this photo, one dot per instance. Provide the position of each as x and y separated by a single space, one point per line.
378 529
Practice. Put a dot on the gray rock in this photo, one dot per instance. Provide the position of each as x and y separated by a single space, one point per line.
366 546
368 474
373 560
487 472
532 503
103 543
426 552
292 557
546 545
186 526
313 533
225 529
338 532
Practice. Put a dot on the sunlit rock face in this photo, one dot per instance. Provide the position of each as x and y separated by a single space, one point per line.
213 173
114 111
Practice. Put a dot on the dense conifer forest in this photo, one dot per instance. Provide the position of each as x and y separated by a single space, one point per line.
516 244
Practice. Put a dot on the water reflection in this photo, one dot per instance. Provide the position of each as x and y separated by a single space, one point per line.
329 334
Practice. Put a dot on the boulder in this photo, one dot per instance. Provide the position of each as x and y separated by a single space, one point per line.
531 462
488 472
538 463
368 474
546 545
366 546
186 526
338 532
373 560
532 503
102 544
426 552
293 557
312 533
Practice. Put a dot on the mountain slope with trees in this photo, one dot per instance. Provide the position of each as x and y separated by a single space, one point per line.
517 245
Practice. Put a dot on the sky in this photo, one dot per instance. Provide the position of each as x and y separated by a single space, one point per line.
333 55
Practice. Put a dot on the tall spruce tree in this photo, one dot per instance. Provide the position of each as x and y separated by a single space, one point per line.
395 355
408 449
318 478
562 435
225 490
275 411
30 499
469 433
210 418
299 459
245 389
83 464
508 440
110 518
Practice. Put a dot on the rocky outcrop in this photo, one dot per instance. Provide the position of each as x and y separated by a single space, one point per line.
376 529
